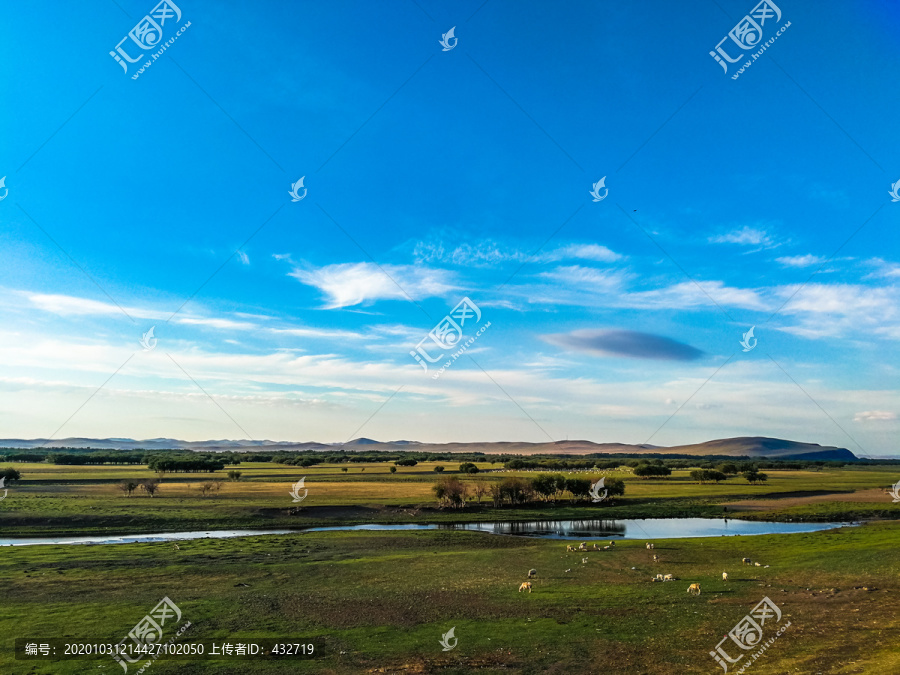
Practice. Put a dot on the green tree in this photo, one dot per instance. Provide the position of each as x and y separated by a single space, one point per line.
10 474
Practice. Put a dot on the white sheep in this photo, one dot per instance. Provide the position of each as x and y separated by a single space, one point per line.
668 577
584 561
746 561
724 576
532 574
692 588
649 546
526 586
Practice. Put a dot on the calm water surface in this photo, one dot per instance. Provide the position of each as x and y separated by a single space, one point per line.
656 528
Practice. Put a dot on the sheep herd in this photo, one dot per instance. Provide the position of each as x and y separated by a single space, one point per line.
693 589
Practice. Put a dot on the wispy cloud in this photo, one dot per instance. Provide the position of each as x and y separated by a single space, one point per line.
874 416
632 344
748 236
489 252
801 260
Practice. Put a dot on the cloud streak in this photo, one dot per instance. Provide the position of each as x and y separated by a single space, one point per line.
628 343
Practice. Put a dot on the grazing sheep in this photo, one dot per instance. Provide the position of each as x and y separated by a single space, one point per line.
176 547
655 558
649 546
532 574
724 576
584 561
668 577
569 570
659 577
758 564
526 586
582 546
606 548
692 588
570 548
746 561
612 543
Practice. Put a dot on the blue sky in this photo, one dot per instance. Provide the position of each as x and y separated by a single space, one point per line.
162 201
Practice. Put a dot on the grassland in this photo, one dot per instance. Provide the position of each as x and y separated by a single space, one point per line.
379 602
74 499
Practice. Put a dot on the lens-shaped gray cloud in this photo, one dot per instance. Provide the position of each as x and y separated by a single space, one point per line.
625 343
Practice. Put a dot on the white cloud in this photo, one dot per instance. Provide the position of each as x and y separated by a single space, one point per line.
244 258
842 309
68 305
801 260
746 235
874 416
594 252
349 284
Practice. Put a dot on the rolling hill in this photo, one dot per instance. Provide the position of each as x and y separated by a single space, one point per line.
747 446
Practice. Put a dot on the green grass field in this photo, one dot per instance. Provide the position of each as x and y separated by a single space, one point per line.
380 602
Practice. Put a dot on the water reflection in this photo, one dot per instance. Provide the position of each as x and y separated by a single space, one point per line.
586 529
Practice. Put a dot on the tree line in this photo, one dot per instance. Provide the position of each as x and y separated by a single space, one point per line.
514 491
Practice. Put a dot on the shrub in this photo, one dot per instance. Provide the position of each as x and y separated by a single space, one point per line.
393 469
234 475
128 487
438 468
151 487
451 492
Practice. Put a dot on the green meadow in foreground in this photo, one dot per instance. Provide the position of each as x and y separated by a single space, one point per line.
380 602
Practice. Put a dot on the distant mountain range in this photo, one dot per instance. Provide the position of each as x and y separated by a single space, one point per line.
748 446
